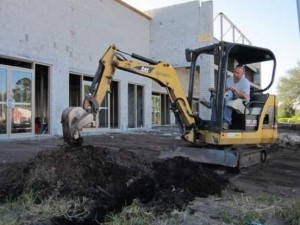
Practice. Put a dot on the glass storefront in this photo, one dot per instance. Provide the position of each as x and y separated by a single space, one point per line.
15 101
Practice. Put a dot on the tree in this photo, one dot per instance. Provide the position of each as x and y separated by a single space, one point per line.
22 90
289 91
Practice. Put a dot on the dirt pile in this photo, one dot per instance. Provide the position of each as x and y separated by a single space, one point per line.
110 179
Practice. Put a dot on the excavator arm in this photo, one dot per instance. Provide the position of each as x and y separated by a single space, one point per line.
74 119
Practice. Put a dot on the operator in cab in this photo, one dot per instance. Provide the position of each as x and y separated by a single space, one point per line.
236 96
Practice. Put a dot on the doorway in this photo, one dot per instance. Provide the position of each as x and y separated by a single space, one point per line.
16 96
135 106
41 121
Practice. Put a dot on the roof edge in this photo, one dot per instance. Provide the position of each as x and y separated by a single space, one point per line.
134 9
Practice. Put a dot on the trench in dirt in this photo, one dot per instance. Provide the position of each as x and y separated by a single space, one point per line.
110 180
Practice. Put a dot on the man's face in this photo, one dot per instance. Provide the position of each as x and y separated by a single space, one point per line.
238 73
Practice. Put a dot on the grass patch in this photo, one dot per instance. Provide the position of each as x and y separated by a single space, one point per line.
243 218
290 212
131 215
29 208
246 210
291 120
135 214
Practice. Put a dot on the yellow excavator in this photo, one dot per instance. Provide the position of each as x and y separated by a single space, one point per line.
207 142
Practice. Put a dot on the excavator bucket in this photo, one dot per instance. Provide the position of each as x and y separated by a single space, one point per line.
73 120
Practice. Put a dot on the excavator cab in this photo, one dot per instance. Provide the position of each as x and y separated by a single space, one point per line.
255 126
257 123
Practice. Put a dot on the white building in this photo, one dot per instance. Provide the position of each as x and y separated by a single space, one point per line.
49 52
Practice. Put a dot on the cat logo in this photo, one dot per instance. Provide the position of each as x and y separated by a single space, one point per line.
144 69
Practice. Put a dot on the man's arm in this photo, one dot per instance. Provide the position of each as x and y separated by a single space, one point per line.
239 93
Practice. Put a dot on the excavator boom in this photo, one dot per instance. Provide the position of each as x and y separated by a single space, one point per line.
74 119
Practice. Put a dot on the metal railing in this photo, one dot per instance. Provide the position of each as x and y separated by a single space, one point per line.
228 31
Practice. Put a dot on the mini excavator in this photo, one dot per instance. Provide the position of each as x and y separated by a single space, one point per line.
207 142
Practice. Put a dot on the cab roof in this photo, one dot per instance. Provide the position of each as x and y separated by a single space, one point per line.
244 54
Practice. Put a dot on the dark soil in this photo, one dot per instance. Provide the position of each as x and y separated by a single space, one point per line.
110 179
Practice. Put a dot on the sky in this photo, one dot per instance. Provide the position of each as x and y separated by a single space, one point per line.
271 24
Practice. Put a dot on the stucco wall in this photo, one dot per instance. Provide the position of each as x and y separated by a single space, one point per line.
71 36
181 26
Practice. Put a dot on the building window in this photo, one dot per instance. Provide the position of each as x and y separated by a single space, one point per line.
135 106
108 115
160 109
156 110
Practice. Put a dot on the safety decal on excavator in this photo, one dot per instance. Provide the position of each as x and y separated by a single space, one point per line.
234 135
